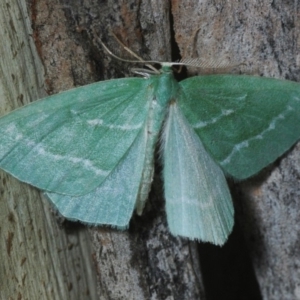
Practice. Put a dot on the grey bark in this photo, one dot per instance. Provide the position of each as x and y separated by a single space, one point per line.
39 258
264 36
146 262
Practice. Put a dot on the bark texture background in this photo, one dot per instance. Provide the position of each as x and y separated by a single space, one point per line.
53 45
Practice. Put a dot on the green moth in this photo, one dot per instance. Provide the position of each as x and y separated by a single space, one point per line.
91 149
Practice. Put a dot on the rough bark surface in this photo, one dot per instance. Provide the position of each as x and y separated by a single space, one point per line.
39 258
146 262
265 37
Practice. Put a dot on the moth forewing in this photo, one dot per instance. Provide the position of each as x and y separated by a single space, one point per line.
245 122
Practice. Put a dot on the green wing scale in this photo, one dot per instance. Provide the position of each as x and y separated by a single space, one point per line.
198 201
244 122
106 203
70 142
91 149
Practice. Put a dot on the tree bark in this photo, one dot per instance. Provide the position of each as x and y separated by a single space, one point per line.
146 262
264 37
39 258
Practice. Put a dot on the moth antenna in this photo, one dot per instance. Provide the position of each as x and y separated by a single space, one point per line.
220 63
192 62
127 49
140 60
204 63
